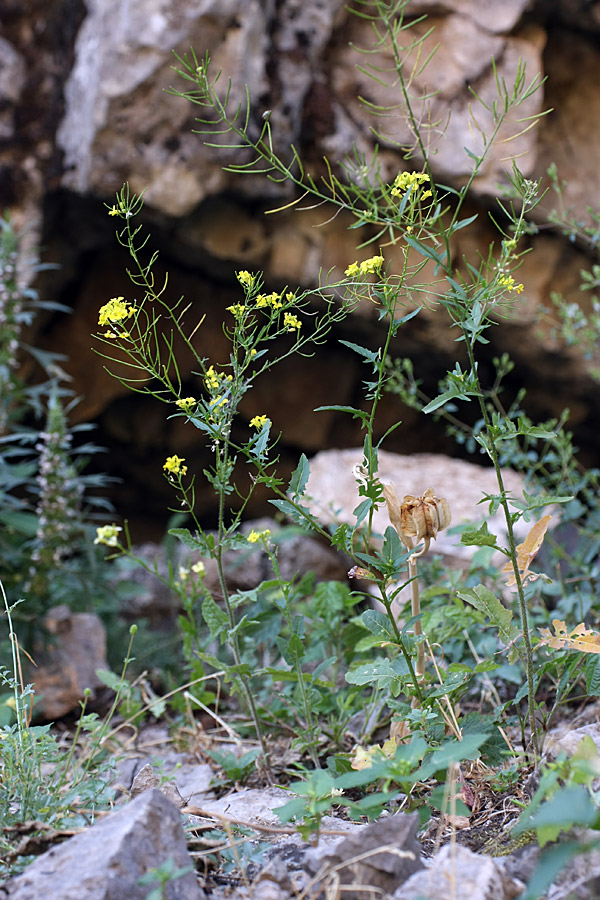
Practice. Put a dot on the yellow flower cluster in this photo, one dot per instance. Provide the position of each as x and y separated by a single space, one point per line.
214 380
255 536
187 404
174 466
407 180
367 267
246 279
291 322
508 283
236 310
108 534
273 300
259 421
116 310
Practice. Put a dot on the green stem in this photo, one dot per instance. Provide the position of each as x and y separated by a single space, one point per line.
407 658
234 639
310 725
512 546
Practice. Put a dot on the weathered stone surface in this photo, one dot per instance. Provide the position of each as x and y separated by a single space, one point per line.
67 666
372 861
120 124
334 490
106 861
101 68
147 779
566 738
456 873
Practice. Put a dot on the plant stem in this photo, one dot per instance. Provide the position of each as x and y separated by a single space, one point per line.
233 636
493 454
416 611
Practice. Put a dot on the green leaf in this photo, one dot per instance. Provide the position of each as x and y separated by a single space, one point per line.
462 224
424 250
381 672
592 675
379 624
299 514
371 355
453 394
551 862
293 809
186 538
570 806
214 616
501 617
356 413
110 679
299 477
479 538
453 751
452 681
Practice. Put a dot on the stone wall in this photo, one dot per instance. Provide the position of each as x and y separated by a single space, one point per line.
84 106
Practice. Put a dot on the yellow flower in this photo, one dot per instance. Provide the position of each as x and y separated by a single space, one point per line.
114 211
366 267
291 322
186 404
407 180
372 265
214 380
116 310
255 536
173 465
199 569
259 421
508 282
245 278
183 574
273 300
236 310
108 534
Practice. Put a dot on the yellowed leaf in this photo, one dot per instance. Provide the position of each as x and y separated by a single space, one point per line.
527 550
364 756
581 638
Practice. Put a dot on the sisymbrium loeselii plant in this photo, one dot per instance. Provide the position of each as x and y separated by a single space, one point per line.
410 220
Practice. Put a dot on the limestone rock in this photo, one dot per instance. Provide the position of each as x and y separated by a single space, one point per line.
379 857
456 873
106 861
463 484
147 779
67 666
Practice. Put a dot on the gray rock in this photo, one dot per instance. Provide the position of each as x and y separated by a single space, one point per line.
456 873
106 861
147 779
378 858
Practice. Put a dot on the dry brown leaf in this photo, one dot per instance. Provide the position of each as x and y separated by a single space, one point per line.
581 638
527 550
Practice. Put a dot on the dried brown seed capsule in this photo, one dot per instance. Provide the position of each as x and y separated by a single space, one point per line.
419 518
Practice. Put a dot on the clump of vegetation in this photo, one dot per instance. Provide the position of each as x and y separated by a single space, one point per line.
481 663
